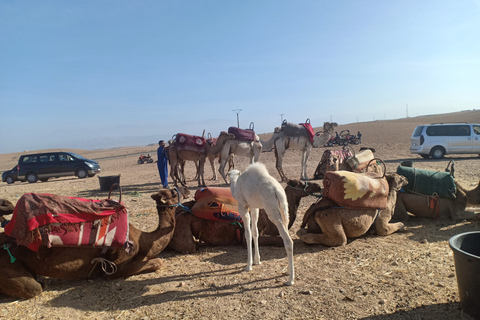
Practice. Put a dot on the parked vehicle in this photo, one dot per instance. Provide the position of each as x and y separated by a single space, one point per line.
10 176
438 139
145 159
43 166
343 139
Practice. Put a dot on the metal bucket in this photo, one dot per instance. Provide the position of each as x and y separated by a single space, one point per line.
466 253
107 182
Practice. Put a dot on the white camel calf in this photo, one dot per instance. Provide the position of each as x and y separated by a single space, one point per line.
255 189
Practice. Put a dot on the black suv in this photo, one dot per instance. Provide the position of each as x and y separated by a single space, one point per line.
42 166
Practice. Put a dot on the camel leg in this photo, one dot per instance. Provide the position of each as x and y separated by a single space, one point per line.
212 165
137 266
305 156
17 282
279 155
384 228
243 211
201 171
333 234
288 244
254 214
463 215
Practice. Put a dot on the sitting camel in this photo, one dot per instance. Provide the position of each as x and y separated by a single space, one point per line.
189 228
302 143
254 189
331 225
17 278
423 206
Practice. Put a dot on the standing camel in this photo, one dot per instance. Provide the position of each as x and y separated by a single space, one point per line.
178 157
302 143
251 149
255 188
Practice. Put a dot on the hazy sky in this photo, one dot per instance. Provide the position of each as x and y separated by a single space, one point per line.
90 74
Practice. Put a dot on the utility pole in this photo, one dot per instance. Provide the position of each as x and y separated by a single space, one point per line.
281 117
330 118
407 110
237 111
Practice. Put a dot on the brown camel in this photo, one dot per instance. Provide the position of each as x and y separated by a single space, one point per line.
17 279
303 144
190 229
423 206
177 158
330 225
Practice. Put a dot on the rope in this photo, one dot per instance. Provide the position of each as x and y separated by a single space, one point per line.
104 263
7 247
179 204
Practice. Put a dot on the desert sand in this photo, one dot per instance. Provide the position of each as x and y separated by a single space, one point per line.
407 275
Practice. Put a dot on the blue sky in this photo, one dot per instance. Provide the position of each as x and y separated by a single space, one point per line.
99 74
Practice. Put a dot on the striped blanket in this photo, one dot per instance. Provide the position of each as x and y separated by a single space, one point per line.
41 219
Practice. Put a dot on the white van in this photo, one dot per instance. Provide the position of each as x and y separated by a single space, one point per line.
438 139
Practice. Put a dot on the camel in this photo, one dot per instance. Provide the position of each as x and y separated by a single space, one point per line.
253 189
177 158
331 225
191 230
17 279
251 149
214 148
423 206
303 144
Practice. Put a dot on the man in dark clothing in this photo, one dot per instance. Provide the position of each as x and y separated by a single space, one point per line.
162 163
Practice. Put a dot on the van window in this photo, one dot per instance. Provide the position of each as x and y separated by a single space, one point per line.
459 130
476 129
65 157
418 131
437 131
29 159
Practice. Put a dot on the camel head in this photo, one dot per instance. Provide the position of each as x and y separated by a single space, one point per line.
170 196
234 174
329 127
307 187
396 181
226 135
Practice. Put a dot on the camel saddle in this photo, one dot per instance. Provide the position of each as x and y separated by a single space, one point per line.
217 204
186 142
298 130
428 182
243 134
366 190
360 161
41 219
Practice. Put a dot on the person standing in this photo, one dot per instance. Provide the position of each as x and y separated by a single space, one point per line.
162 163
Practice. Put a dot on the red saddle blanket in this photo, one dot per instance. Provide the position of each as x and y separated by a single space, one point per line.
216 203
190 143
242 134
356 190
309 129
41 219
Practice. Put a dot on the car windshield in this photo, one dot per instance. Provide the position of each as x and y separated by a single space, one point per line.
77 156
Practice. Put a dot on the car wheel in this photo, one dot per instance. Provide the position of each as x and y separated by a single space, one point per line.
82 173
31 177
330 144
10 180
140 161
437 153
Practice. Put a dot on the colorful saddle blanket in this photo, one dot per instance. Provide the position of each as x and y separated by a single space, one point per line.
186 142
429 183
216 203
41 219
242 134
356 190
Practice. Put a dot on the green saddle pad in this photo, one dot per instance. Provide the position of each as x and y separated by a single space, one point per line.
428 182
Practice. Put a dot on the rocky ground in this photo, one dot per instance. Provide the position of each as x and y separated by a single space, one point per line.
407 275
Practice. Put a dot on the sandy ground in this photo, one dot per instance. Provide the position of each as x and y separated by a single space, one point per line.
407 275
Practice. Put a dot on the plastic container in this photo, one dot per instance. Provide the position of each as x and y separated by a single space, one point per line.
466 253
107 182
